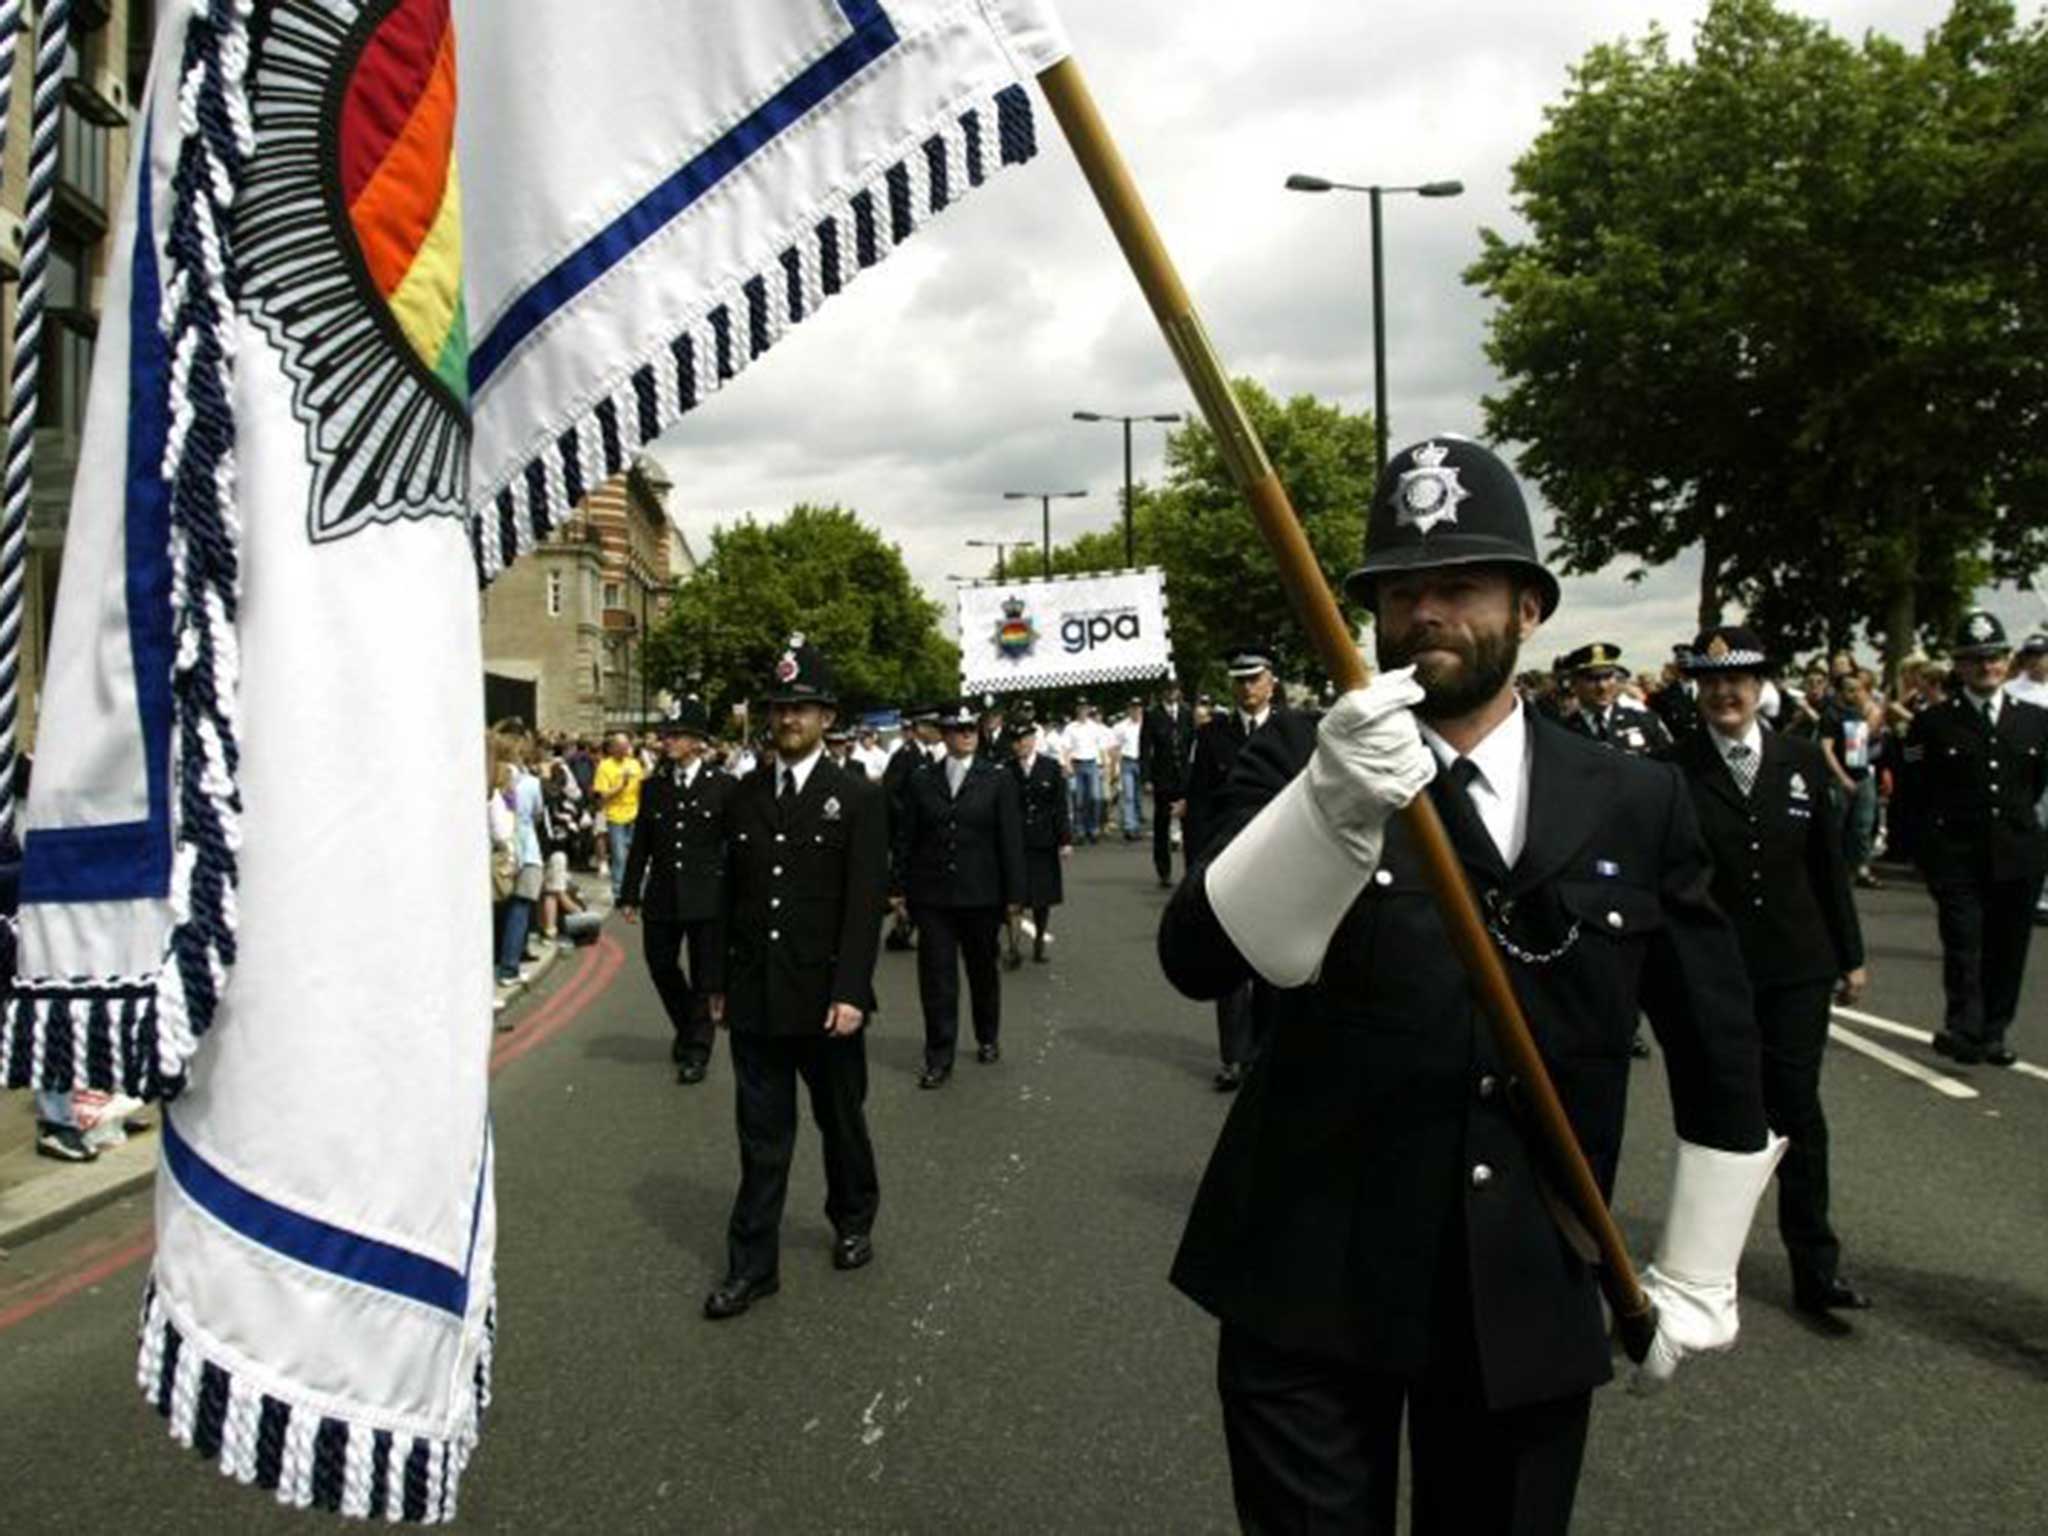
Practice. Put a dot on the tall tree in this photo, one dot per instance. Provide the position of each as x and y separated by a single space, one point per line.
1784 302
820 572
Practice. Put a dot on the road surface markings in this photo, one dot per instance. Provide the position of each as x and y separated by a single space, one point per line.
1924 1037
1891 1058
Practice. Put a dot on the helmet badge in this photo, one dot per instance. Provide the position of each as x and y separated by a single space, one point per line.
1428 494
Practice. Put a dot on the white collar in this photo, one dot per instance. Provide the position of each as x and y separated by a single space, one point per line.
1029 760
1499 757
1986 705
1753 739
1253 722
800 771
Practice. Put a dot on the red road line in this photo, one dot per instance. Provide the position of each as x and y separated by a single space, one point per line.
598 967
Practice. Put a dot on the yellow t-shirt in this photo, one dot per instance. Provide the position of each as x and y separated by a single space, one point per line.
623 775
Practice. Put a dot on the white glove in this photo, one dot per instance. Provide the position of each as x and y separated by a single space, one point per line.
1285 882
1692 1284
1370 761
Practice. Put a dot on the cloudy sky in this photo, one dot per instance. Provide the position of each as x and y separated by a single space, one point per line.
950 373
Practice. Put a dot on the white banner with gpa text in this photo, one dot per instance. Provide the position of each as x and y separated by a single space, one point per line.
1069 632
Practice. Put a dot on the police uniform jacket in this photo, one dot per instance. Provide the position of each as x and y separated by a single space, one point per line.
964 850
1779 872
1209 767
1966 803
1043 801
808 885
1629 726
1679 712
1373 1196
1164 744
677 867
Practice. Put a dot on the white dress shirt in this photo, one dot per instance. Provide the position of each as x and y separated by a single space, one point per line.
799 771
1986 705
1500 790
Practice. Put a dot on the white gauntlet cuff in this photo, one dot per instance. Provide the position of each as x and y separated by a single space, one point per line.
1285 882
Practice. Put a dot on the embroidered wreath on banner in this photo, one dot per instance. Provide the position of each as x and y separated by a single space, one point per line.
349 238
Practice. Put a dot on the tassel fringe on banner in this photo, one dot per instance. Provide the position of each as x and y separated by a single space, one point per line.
854 233
138 1034
307 1457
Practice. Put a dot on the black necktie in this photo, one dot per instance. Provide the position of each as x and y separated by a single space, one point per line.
787 791
1453 792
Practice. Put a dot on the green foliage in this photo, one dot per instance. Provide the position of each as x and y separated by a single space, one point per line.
1221 585
820 571
1785 301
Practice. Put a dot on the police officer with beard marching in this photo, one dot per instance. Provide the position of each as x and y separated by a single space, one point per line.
1976 768
1372 1230
675 875
958 864
809 848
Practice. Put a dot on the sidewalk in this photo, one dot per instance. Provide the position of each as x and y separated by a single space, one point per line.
39 1194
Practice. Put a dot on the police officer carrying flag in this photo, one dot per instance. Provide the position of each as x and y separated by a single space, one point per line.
958 865
809 878
1373 1229
675 875
1780 875
1976 768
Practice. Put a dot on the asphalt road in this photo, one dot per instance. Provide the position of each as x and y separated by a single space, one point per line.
1014 1360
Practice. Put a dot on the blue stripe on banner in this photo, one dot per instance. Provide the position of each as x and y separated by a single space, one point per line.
131 861
873 35
309 1241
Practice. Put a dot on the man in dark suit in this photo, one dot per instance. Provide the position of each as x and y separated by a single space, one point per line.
1048 829
809 850
1780 876
958 865
1165 743
919 745
1241 1013
1372 1229
675 874
1603 713
1976 768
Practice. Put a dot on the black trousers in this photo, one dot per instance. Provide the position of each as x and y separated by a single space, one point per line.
947 937
1793 1024
688 1014
1239 1027
1162 834
1315 1449
765 1069
1985 929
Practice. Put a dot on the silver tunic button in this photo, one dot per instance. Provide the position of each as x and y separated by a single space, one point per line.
1481 1175
780 838
774 933
777 870
1614 919
1383 877
774 901
1488 1085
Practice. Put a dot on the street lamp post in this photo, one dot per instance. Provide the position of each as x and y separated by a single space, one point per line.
1130 534
1045 501
1301 183
1000 546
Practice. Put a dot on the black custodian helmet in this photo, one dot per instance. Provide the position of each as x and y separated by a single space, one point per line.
1447 501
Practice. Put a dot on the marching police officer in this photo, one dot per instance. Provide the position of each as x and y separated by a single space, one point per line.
1240 1013
809 850
959 867
919 745
1975 770
1780 875
1603 714
1165 742
1372 1229
1048 828
1676 703
675 876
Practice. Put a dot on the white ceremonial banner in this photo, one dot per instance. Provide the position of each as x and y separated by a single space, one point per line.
386 299
1070 632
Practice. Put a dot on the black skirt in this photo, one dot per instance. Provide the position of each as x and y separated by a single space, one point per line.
1043 878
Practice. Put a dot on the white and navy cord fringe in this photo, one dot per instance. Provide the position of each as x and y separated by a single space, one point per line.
53 36
215 142
854 233
307 1457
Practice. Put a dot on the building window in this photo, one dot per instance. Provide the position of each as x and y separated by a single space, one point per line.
68 332
615 594
554 594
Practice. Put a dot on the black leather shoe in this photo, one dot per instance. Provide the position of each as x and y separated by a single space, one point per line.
676 1048
1957 1049
1228 1076
2000 1055
1038 951
934 1077
736 1293
988 1053
853 1251
691 1072
1837 1295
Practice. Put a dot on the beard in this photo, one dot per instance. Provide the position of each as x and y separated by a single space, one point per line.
1472 675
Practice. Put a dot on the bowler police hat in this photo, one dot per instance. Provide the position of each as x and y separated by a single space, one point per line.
802 676
1447 501
687 717
1981 635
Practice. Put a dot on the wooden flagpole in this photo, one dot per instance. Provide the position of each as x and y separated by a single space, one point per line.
1316 609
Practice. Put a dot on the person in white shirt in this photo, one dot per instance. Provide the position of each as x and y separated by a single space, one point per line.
870 756
1129 733
1087 739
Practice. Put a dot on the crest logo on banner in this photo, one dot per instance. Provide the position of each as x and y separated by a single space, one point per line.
350 238
1015 631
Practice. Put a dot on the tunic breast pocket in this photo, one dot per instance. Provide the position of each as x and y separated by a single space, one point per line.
1610 926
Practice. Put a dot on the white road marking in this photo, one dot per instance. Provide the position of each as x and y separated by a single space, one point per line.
1925 1037
1891 1058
